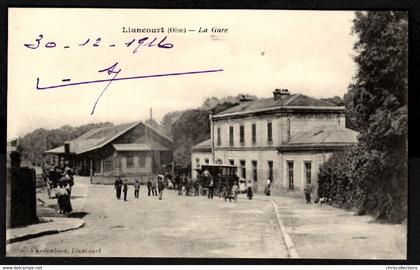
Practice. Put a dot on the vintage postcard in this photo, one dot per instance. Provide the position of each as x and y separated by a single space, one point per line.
207 133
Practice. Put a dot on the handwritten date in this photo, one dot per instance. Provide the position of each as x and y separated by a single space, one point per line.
134 44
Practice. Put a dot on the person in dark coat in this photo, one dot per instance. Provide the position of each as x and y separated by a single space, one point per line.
118 185
308 191
196 188
161 187
209 179
136 188
60 193
125 190
67 203
179 184
149 187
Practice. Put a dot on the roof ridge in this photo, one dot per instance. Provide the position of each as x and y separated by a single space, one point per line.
112 138
292 99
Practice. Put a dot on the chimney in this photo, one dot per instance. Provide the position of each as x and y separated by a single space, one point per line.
280 93
150 113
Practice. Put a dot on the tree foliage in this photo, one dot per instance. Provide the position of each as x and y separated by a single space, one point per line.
35 143
372 175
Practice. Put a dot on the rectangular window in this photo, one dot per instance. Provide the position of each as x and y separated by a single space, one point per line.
308 174
231 162
231 135
197 163
142 161
270 170
243 169
290 165
254 170
241 134
108 165
207 161
219 140
269 132
130 161
254 133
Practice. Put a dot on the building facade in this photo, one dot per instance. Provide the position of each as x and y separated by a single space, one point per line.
133 150
284 138
200 154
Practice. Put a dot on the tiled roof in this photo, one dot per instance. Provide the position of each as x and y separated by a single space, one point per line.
295 100
140 147
329 136
204 145
98 137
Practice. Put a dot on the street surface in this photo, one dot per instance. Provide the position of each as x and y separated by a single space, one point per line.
177 226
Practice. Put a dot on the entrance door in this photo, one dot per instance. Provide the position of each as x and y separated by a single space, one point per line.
290 166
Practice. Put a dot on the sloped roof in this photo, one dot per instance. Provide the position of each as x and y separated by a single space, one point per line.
323 137
140 147
288 101
98 137
202 146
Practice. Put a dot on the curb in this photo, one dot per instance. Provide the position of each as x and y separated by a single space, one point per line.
43 233
286 237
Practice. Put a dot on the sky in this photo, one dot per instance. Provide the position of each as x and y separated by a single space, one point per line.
307 52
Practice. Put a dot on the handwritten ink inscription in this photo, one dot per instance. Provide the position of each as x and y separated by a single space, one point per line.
113 71
134 43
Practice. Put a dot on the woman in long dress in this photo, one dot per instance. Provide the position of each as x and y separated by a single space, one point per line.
249 192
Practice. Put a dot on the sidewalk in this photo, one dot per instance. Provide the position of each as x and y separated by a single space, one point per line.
50 221
46 227
323 231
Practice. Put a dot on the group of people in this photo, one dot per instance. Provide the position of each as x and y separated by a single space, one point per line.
184 182
155 187
60 182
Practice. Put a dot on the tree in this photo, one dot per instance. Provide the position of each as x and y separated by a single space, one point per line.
35 143
377 106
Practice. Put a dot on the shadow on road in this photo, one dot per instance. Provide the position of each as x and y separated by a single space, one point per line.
77 214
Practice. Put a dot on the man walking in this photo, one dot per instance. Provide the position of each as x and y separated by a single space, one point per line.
196 188
161 186
178 184
136 188
209 178
118 185
149 187
125 190
154 186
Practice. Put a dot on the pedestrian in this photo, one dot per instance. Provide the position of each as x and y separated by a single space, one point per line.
125 190
66 200
307 191
49 187
149 187
178 182
118 185
136 188
268 187
249 192
60 192
70 179
235 190
188 187
196 188
211 184
154 186
161 186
